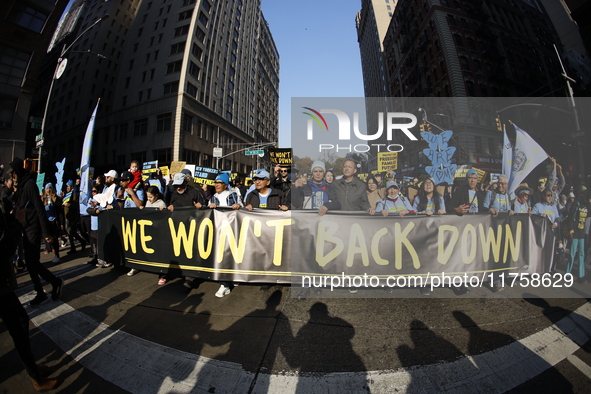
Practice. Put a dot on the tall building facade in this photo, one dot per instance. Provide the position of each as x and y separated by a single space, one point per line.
25 32
93 65
459 48
372 23
180 78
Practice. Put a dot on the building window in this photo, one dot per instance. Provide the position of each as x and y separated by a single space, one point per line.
140 127
478 143
27 17
164 122
206 5
191 156
181 31
121 134
187 123
13 65
162 155
191 90
203 19
177 48
172 87
194 70
197 51
185 15
174 67
139 156
200 35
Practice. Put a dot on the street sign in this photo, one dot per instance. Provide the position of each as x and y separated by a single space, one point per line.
254 152
578 134
35 122
217 152
39 143
38 137
61 68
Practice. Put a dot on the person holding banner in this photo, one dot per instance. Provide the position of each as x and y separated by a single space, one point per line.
224 198
315 193
468 199
394 202
184 195
521 202
498 200
126 196
263 196
428 200
351 190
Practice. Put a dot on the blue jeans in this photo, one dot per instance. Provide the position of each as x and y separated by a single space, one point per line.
577 247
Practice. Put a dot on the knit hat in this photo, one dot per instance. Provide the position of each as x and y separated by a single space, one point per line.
320 164
49 186
470 172
224 178
70 183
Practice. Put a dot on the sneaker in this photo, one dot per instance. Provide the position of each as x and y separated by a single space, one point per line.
46 252
559 245
44 384
56 293
56 260
188 284
92 262
222 291
132 272
162 281
103 264
38 300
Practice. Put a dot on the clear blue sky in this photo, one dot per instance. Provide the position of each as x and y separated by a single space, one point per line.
318 52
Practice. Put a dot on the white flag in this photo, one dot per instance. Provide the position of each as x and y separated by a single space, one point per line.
527 154
85 183
507 155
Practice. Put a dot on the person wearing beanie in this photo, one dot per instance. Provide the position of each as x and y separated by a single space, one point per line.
468 198
315 193
30 212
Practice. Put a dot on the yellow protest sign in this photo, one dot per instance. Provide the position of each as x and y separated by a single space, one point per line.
387 161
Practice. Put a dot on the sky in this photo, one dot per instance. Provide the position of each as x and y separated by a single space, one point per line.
318 52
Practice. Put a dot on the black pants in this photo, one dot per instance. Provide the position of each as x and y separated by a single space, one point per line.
17 322
31 245
85 227
72 230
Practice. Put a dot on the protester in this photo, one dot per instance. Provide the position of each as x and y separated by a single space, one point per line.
329 176
54 212
547 209
94 209
315 193
521 202
134 169
30 213
155 198
538 195
264 196
428 200
71 204
498 200
468 198
394 203
184 194
12 312
282 181
374 192
126 196
351 191
223 197
579 211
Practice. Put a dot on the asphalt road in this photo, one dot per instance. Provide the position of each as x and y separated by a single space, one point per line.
114 333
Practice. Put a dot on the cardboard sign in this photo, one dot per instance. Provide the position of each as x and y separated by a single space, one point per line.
387 161
177 166
280 156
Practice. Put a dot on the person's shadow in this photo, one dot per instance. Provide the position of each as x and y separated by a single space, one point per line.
429 348
518 362
322 346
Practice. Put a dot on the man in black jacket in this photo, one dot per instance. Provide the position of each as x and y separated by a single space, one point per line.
263 196
31 214
468 199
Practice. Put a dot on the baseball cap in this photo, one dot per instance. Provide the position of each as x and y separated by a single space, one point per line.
262 174
112 174
178 179
390 184
125 176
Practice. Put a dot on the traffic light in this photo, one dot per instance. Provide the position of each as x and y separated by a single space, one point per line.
499 126
422 127
429 129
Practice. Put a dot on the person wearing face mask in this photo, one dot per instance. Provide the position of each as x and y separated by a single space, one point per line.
394 203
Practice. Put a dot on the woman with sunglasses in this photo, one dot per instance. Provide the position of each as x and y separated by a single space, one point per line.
547 209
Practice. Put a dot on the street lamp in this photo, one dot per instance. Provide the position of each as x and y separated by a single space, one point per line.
59 70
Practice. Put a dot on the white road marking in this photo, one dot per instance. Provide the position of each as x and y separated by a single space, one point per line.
140 366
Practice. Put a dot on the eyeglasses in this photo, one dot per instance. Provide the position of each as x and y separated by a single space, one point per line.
548 195
283 171
95 191
259 179
219 182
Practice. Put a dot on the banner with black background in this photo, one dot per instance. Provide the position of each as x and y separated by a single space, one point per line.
280 247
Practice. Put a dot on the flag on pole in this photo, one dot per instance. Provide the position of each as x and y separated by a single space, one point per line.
85 183
527 154
507 154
